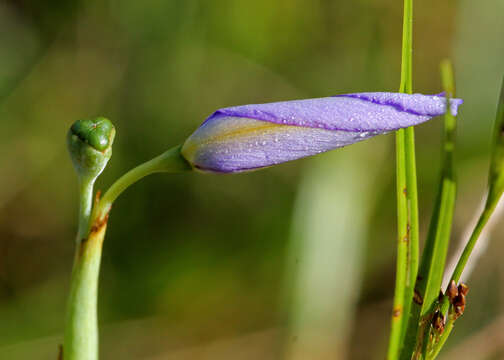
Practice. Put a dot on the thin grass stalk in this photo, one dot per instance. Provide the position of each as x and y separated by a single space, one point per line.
407 204
430 274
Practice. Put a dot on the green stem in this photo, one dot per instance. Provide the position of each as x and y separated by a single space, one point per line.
430 274
85 206
459 268
442 340
170 161
413 236
406 84
81 331
407 204
81 313
482 221
402 252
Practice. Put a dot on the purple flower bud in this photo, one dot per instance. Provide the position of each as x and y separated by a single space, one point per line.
248 137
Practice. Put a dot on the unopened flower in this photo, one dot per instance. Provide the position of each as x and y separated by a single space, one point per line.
253 136
90 145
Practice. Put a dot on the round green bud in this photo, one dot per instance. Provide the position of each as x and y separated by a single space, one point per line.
90 146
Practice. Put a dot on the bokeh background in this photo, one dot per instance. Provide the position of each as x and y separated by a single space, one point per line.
291 262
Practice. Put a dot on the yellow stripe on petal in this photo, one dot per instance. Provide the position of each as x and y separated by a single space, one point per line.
229 128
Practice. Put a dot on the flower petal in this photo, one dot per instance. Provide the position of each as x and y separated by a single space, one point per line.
252 136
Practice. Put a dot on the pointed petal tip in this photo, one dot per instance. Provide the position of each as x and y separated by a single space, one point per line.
454 104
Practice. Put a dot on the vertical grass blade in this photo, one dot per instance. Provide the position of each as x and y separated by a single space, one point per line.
430 274
436 248
407 204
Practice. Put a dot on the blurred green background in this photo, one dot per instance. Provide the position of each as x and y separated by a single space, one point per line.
291 262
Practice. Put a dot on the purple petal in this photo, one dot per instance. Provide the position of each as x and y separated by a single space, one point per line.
252 136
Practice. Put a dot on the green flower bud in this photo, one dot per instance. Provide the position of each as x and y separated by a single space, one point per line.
90 146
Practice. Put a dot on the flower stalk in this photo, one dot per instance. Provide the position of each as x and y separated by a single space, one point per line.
90 147
81 330
170 161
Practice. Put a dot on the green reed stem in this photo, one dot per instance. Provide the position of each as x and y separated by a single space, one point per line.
431 270
407 204
436 248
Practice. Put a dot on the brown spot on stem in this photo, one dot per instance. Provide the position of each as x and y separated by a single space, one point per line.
405 191
97 196
438 322
99 224
417 298
60 352
82 246
396 312
94 238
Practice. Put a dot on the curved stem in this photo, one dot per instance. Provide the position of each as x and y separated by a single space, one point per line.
170 161
81 330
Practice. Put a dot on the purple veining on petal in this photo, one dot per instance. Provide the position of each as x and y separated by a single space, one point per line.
411 103
247 137
352 112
